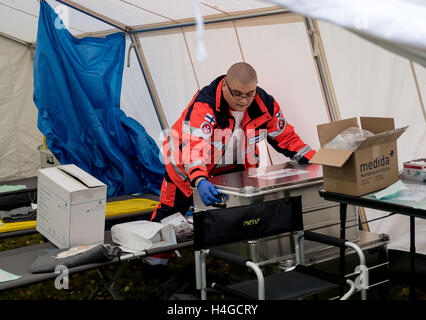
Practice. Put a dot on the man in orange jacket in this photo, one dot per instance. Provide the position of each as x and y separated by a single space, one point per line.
219 132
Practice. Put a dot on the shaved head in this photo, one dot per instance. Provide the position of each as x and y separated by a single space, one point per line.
240 85
241 72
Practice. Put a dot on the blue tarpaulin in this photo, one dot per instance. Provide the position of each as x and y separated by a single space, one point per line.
77 88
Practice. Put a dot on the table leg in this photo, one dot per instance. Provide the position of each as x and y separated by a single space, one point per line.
343 207
412 257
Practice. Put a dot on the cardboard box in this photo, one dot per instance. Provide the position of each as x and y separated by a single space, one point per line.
373 165
70 206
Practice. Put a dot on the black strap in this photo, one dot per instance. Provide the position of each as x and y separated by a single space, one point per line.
322 238
219 254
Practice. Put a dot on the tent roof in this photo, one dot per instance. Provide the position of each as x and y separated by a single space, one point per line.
396 25
19 18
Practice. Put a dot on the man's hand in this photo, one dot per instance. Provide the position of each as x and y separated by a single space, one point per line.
208 193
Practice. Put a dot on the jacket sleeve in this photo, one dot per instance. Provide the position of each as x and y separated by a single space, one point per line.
197 131
283 138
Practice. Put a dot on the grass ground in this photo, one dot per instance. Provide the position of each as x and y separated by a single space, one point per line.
139 281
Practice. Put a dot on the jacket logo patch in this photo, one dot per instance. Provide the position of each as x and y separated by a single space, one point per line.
206 128
251 222
281 124
209 118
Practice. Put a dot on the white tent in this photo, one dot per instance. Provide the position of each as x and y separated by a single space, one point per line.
317 71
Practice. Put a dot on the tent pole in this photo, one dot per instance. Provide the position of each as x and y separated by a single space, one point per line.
322 67
137 29
139 53
419 93
25 43
327 86
149 81
94 14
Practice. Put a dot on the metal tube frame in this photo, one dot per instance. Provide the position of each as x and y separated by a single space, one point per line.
212 21
203 277
362 268
260 279
321 63
327 87
300 258
141 59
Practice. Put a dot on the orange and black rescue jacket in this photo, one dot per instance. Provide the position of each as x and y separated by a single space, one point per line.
197 141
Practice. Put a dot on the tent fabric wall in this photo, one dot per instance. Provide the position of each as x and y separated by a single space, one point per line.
171 71
420 74
367 79
396 25
276 46
370 81
19 136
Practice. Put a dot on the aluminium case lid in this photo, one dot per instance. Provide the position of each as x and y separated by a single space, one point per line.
257 181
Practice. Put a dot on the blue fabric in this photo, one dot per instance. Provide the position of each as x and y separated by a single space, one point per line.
77 88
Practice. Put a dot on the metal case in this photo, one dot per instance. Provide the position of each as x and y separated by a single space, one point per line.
275 182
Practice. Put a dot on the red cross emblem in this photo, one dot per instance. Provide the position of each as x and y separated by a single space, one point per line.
206 128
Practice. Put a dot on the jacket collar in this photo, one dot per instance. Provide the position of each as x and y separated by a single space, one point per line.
219 93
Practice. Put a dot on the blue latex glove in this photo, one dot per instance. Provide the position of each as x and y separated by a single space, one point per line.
208 193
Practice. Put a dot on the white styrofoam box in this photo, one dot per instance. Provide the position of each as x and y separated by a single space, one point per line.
70 206
141 235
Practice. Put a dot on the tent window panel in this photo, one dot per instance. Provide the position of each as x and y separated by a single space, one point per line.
222 48
135 99
171 70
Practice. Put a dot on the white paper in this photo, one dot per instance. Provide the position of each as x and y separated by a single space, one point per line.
8 188
7 276
420 205
415 192
411 197
391 191
180 225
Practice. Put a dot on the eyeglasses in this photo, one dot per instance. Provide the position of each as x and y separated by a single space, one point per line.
249 95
